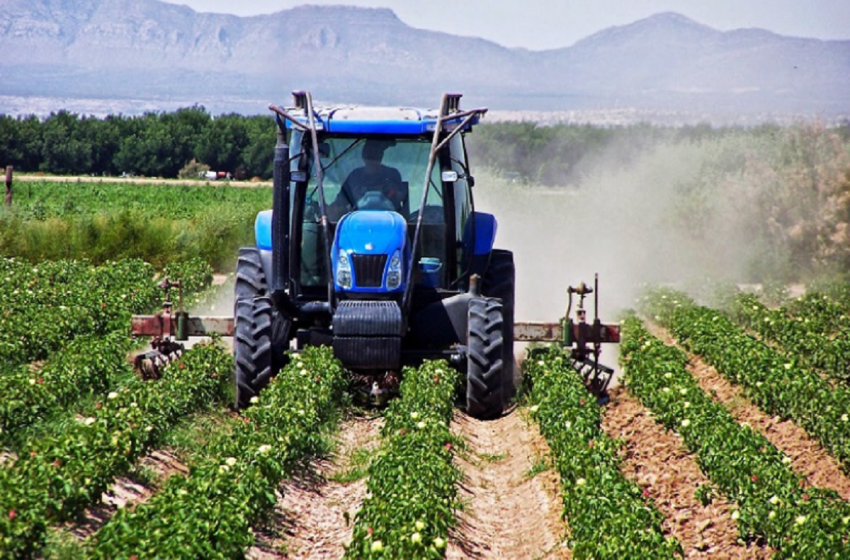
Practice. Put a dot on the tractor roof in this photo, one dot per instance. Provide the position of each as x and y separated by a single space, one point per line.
396 121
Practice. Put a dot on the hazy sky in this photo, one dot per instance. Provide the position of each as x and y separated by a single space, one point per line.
547 24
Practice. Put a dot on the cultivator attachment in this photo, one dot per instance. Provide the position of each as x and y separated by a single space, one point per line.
584 339
165 347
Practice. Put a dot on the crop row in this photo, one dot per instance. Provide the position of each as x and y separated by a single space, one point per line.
773 501
412 483
209 513
820 313
779 385
49 304
795 335
55 477
87 365
608 515
44 199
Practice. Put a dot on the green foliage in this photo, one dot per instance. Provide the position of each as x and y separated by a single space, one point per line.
774 502
412 484
153 144
193 170
49 304
86 365
819 330
58 476
781 385
159 224
608 516
209 513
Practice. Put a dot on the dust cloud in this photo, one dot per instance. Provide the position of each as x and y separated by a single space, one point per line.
623 221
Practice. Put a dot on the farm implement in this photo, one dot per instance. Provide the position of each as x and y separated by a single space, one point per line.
373 248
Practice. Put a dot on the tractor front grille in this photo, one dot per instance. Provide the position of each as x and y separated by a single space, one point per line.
369 270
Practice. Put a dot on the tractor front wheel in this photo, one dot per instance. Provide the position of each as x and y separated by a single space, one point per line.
484 358
262 332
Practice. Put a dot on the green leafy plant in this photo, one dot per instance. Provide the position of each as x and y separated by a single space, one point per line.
609 516
773 502
412 481
209 513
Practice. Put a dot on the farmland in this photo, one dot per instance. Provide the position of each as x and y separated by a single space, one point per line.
727 437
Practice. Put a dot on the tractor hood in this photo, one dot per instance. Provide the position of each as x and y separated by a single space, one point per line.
369 252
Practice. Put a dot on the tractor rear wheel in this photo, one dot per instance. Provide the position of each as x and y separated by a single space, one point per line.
500 282
262 332
484 358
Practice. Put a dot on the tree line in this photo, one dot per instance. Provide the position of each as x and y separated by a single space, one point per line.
161 144
153 144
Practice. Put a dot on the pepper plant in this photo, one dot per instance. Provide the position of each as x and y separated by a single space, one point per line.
772 501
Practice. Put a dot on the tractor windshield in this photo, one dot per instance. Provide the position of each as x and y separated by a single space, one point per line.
371 173
395 169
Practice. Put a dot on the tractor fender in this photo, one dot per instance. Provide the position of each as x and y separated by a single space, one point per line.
441 323
481 240
263 231
263 236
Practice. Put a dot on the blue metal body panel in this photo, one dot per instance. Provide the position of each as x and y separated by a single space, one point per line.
485 233
370 232
263 230
416 122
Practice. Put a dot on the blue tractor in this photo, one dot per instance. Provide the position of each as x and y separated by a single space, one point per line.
373 247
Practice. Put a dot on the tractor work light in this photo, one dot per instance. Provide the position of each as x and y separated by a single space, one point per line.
343 271
394 272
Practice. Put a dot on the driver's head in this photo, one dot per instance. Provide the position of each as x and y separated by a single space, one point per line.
373 153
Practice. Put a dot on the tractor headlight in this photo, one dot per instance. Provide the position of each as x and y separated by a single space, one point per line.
343 271
394 272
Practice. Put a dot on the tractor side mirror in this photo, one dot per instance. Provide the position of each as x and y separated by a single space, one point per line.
449 176
470 180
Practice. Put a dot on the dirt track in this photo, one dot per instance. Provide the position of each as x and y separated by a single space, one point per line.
508 511
315 510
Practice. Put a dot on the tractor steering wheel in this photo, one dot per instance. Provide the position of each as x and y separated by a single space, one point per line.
374 200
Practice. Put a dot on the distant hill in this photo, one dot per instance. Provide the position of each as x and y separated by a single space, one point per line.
152 51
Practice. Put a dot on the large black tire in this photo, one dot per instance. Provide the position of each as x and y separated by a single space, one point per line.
262 332
500 282
252 348
484 359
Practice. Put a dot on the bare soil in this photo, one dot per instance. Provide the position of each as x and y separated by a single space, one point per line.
508 512
314 514
657 461
808 456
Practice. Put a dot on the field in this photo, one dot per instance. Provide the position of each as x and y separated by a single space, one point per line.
726 437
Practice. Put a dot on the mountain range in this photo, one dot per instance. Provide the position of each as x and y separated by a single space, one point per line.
151 51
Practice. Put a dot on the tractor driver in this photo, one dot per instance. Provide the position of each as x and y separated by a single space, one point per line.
372 177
